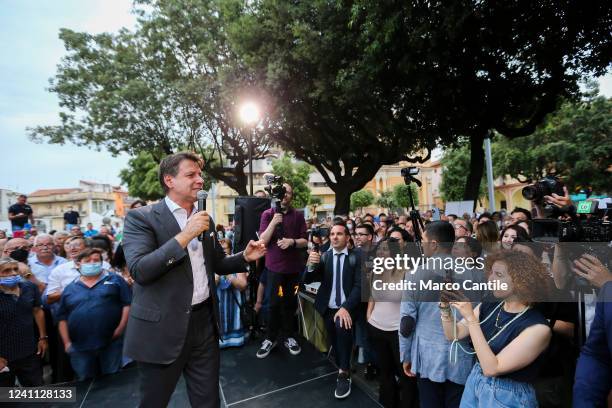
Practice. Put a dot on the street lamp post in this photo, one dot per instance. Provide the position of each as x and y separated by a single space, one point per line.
251 162
249 114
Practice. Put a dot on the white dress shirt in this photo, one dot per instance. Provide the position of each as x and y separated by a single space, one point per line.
65 274
196 254
332 298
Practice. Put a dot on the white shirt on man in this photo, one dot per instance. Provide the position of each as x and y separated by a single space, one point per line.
196 254
65 274
332 298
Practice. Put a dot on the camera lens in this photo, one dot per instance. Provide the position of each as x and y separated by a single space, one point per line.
529 192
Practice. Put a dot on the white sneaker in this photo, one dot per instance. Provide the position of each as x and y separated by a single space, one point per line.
266 348
293 346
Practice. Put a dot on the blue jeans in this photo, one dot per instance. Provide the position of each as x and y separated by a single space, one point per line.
86 364
491 392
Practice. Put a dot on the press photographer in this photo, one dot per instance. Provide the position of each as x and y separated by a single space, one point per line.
581 263
283 230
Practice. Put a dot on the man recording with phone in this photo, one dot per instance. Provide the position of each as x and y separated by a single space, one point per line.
284 234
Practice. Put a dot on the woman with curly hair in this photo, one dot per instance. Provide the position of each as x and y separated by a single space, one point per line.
509 335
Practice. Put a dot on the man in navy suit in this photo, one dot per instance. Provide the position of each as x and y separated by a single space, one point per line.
338 298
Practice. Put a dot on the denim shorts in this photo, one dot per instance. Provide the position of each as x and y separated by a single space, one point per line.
494 392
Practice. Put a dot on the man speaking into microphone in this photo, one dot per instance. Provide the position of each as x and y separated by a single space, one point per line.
172 253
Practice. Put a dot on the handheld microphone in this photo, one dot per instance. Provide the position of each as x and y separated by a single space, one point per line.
201 196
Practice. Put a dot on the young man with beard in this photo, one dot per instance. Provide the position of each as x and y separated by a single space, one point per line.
283 267
338 299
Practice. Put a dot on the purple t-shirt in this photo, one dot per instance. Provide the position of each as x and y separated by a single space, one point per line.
294 226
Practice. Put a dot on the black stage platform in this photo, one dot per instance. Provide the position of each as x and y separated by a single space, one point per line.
281 380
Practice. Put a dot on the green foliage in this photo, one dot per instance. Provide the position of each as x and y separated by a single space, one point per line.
401 198
455 167
315 201
141 177
361 199
329 109
296 174
464 67
172 82
385 200
574 143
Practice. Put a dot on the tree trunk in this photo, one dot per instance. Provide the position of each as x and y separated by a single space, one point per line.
235 179
343 199
472 184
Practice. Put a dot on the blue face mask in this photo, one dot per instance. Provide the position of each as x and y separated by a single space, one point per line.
10 281
90 269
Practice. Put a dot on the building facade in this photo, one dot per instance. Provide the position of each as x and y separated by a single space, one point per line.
93 201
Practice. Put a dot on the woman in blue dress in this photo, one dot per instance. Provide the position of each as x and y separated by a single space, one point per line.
509 336
229 293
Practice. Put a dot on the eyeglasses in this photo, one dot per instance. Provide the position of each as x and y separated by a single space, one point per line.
460 226
43 245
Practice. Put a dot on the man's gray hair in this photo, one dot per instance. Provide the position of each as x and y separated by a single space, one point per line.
38 237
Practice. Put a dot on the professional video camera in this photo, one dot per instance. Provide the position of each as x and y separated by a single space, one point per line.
277 191
586 225
545 186
275 187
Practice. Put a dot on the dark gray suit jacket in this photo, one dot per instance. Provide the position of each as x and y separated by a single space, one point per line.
163 287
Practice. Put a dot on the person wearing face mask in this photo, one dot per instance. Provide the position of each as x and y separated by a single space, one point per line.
20 350
92 314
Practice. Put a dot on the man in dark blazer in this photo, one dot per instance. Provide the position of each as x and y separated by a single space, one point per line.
338 298
173 326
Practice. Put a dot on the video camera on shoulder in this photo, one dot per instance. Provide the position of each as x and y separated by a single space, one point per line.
546 186
275 187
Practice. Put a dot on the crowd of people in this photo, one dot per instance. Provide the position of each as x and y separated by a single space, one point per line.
65 301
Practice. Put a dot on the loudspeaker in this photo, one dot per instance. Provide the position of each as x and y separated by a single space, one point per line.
247 215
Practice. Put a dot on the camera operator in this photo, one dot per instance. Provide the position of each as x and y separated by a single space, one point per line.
583 273
283 266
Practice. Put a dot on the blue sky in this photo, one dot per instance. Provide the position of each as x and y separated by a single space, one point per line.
30 51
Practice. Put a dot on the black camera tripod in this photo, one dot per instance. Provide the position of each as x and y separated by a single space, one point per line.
415 215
